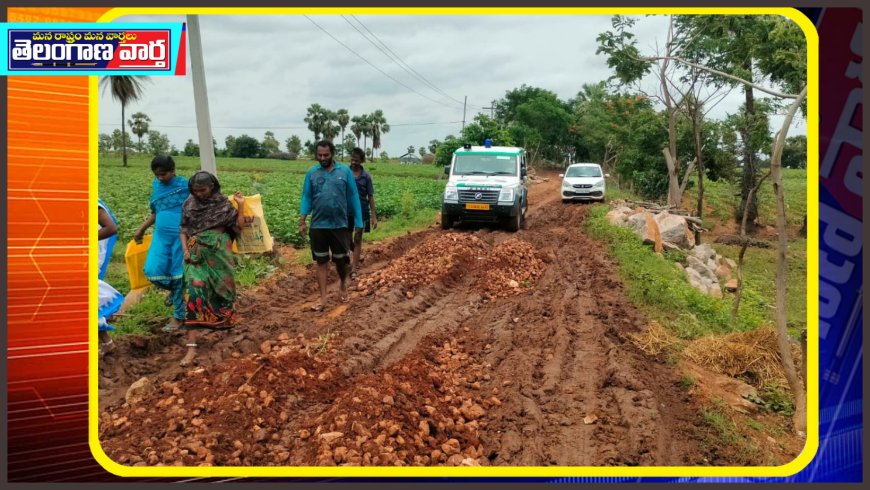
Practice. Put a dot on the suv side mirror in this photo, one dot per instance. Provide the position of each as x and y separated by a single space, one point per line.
561 175
607 175
447 170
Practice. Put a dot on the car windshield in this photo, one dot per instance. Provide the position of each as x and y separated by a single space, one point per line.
484 164
584 171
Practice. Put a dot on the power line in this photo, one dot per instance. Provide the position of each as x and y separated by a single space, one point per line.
396 58
426 81
372 65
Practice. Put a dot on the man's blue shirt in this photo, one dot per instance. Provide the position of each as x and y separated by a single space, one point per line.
330 197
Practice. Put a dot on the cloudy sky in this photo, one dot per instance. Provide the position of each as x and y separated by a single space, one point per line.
264 71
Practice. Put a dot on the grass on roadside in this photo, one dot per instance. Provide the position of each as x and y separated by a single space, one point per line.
655 284
145 317
722 197
727 433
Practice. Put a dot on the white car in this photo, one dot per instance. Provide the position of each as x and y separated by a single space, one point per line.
583 182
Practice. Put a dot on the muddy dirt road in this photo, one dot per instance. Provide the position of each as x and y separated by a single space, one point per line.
471 347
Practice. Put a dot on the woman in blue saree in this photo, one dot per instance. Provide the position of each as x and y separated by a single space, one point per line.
163 266
110 299
107 235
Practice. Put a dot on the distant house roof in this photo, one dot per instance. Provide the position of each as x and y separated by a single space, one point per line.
409 157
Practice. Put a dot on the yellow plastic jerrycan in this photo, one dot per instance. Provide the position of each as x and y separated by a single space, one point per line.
135 258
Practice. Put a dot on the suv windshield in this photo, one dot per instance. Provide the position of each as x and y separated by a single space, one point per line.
585 171
484 164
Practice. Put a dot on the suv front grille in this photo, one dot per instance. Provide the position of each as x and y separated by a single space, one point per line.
490 197
582 186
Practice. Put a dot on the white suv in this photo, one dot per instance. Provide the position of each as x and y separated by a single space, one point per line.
486 184
583 181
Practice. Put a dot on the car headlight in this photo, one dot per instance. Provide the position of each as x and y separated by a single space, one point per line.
566 185
599 185
506 194
451 194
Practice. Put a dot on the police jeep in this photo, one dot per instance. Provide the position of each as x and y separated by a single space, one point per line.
487 184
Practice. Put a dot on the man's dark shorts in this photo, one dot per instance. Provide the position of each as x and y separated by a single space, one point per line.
324 240
367 223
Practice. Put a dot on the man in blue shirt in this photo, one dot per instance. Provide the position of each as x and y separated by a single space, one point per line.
329 195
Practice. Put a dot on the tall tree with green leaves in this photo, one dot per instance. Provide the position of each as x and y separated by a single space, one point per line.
740 46
294 145
367 133
270 145
104 143
120 140
124 89
702 92
342 117
139 126
379 127
348 145
316 118
330 127
191 149
786 68
158 143
247 147
794 154
506 107
630 67
229 141
550 120
356 127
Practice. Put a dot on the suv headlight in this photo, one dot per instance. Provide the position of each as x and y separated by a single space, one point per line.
451 194
506 194
565 185
599 184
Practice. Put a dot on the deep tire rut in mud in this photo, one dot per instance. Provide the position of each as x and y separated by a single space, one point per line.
441 372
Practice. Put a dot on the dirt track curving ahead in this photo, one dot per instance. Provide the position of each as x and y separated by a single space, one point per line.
441 357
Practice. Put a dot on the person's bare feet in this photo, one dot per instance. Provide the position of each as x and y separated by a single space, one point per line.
174 324
190 357
342 291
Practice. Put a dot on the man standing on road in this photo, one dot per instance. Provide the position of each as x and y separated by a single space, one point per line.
329 195
366 191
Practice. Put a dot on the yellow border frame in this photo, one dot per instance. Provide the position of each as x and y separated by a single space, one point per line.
812 442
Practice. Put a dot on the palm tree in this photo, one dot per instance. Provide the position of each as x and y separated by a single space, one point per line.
139 126
342 117
357 127
125 89
316 118
379 127
330 130
366 128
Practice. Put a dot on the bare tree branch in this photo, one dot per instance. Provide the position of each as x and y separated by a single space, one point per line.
798 390
726 75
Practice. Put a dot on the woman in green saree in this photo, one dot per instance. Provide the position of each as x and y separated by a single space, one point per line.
209 224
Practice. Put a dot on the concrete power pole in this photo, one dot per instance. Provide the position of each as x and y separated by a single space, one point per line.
464 104
200 97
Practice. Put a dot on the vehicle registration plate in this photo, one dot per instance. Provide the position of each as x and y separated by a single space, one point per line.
477 205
